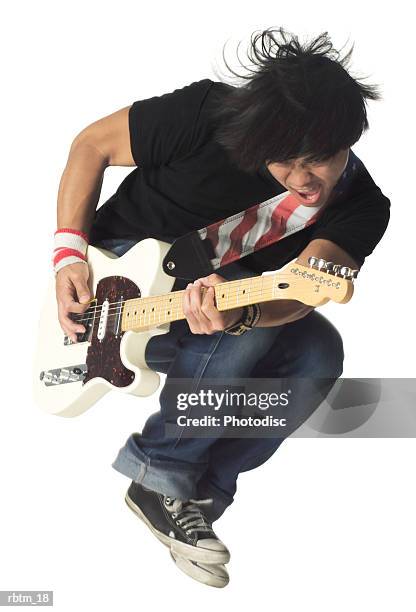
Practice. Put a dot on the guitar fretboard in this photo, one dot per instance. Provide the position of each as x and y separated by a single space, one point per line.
153 311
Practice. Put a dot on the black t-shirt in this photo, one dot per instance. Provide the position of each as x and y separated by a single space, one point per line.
185 181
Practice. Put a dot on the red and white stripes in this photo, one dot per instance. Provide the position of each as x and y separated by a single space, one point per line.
257 227
70 246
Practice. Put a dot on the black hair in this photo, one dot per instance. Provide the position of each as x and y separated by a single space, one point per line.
298 101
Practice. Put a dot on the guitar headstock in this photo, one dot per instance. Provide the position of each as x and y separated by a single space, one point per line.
317 284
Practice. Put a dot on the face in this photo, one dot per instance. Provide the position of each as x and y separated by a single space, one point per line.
310 183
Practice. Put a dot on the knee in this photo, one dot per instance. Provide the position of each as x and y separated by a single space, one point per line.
326 352
322 353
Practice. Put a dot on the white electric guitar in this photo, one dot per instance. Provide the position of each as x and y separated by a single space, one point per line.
133 302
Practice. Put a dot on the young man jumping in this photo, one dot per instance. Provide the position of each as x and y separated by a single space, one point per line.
201 153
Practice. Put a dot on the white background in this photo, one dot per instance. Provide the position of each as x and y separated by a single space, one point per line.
324 524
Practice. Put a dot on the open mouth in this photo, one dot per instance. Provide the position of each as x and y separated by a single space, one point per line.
308 197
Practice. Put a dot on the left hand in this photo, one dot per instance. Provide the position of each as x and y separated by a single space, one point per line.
200 310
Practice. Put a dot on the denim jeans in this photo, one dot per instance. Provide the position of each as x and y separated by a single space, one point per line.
208 467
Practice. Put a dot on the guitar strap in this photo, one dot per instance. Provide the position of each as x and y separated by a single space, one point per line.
201 252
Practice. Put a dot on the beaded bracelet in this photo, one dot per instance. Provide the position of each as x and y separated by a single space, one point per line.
250 318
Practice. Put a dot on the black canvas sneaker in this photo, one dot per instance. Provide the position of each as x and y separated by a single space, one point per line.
180 525
212 574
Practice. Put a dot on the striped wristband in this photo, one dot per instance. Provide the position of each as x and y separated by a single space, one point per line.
70 246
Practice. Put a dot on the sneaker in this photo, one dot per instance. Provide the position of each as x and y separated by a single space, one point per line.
180 525
214 575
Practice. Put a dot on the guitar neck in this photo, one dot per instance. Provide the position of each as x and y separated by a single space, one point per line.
141 313
311 286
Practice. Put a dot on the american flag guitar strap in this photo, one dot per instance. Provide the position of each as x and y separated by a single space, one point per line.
203 251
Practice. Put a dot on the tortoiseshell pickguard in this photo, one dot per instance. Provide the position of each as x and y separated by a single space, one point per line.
103 356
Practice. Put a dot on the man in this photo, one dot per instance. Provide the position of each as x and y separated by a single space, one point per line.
204 152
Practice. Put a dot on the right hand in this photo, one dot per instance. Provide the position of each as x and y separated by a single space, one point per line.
72 295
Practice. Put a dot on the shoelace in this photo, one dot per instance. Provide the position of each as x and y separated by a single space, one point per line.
188 515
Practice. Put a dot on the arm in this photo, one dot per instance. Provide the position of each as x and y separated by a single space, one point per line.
103 143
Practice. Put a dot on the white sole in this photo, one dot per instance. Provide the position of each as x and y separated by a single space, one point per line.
193 553
210 574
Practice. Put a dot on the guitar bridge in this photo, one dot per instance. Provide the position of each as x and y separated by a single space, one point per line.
62 376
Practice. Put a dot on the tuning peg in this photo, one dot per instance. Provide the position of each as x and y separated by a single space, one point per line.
322 264
330 267
312 261
352 274
345 271
336 269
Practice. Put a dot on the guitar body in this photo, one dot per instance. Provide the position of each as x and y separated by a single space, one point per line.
133 301
70 377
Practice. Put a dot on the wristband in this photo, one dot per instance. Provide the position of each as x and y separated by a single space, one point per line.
70 246
250 318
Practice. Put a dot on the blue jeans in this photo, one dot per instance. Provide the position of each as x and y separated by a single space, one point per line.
207 467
